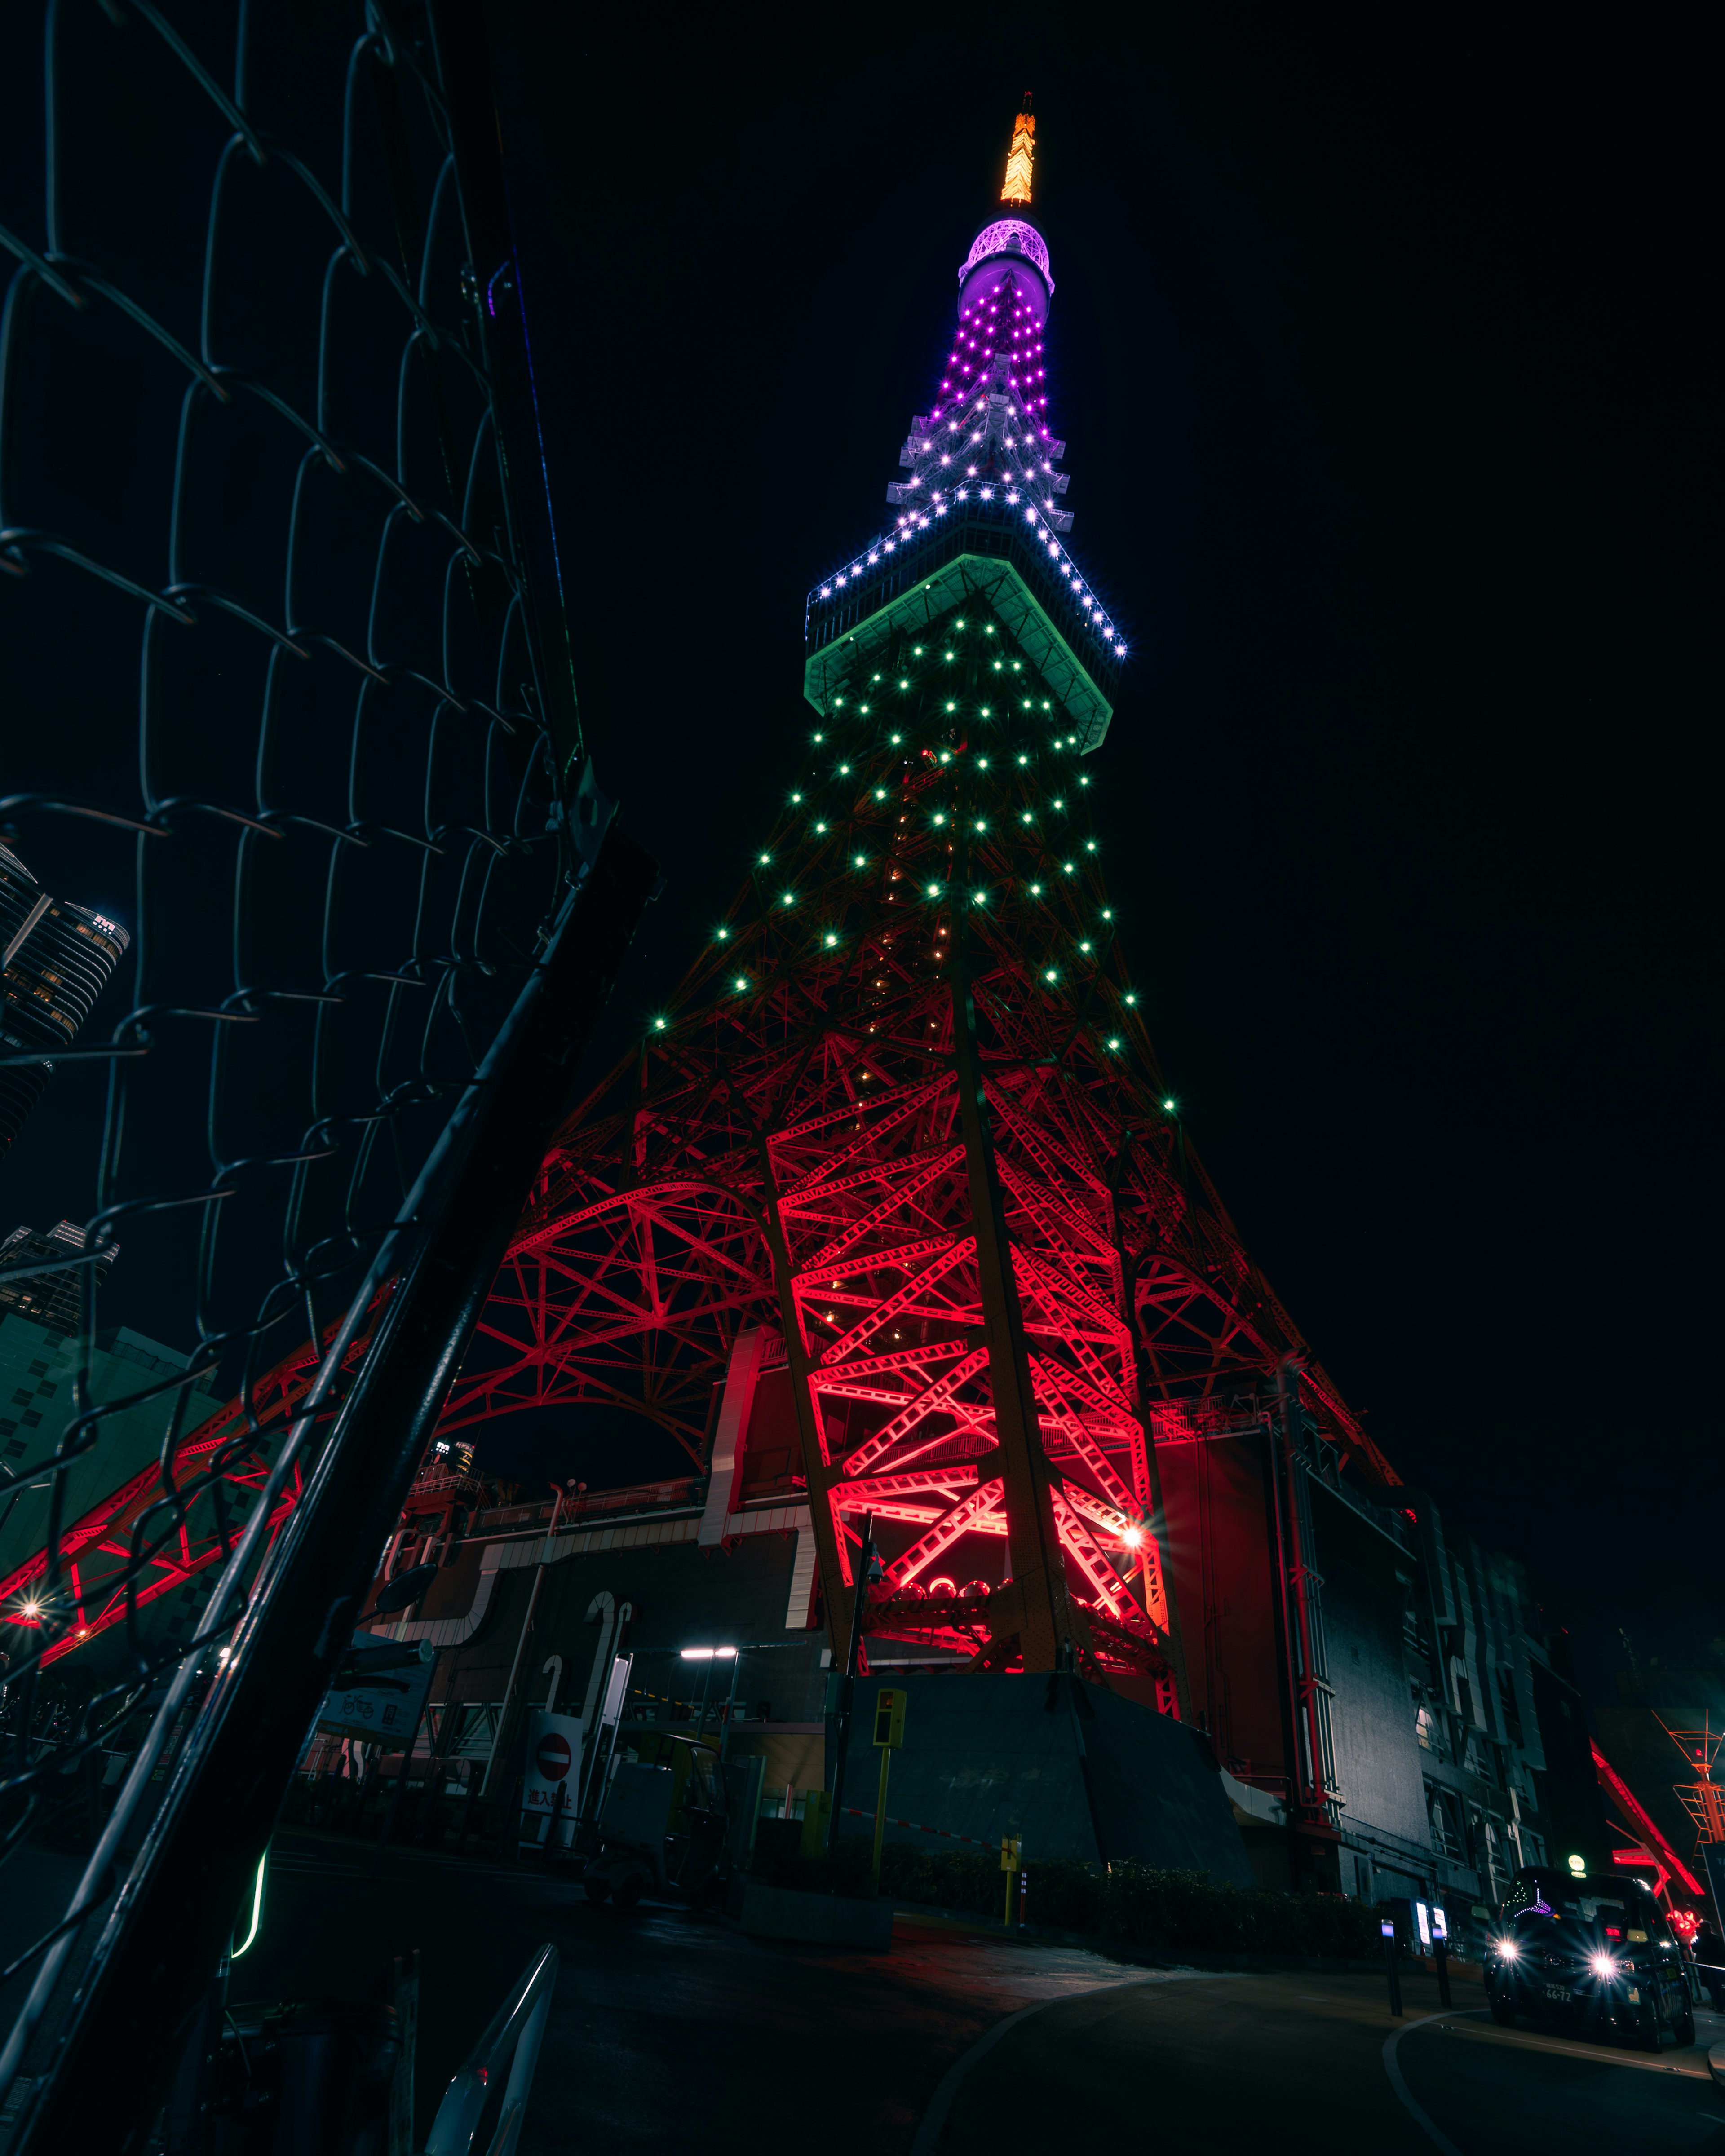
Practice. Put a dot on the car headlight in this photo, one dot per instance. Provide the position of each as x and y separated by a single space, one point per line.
1604 1966
1508 1949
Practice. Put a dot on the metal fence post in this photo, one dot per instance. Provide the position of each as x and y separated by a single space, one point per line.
160 1944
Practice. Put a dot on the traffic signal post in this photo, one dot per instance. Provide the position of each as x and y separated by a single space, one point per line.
1010 1859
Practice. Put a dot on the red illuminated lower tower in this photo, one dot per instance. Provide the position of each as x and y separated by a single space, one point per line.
892 1200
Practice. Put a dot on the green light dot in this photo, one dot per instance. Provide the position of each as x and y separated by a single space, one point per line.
1036 890
765 861
659 1025
1132 1000
1050 975
934 891
1067 867
724 934
896 739
796 797
742 981
830 941
859 861
1169 1106
1090 845
951 707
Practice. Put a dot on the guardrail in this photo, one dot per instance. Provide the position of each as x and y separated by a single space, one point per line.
513 2039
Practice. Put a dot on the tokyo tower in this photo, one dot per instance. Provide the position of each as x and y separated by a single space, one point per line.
899 1140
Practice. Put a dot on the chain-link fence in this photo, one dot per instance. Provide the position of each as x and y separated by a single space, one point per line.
290 784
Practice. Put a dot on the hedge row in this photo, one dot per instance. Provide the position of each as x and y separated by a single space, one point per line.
1130 1905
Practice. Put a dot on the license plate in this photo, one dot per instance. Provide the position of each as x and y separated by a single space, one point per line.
1556 1991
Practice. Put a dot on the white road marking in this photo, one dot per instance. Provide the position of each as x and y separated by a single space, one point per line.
939 2104
1596 2054
1420 2117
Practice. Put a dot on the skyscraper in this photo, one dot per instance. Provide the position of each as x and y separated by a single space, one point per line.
50 1298
56 960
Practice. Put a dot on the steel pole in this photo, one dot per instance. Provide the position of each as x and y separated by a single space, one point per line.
859 1598
880 1819
504 1728
401 1780
1036 1605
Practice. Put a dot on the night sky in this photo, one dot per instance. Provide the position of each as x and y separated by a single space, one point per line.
1378 368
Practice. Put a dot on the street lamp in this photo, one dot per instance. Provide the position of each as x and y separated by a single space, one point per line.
710 1655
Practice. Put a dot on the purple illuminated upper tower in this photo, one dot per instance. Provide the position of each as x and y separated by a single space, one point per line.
983 482
989 424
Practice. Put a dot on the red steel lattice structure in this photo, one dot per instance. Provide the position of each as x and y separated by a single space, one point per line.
902 1110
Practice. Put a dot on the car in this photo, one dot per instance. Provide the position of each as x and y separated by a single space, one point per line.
1597 1957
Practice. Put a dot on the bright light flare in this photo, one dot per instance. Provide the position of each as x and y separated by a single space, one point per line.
1604 1966
708 1654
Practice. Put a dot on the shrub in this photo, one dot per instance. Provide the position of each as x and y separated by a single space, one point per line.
1136 1905
1174 1911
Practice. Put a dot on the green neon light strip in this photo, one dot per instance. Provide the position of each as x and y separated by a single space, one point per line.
257 1910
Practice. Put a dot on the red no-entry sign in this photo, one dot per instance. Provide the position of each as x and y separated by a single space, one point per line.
553 1757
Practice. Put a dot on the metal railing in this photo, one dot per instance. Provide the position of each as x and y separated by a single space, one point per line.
512 2039
287 702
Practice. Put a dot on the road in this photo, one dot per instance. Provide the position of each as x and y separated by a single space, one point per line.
1297 2063
662 2016
668 2022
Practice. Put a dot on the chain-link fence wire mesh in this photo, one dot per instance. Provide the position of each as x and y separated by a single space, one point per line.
275 767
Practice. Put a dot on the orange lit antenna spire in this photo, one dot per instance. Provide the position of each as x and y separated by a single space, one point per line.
1020 157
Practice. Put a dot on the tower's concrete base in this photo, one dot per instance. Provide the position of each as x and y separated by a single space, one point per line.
1071 1769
